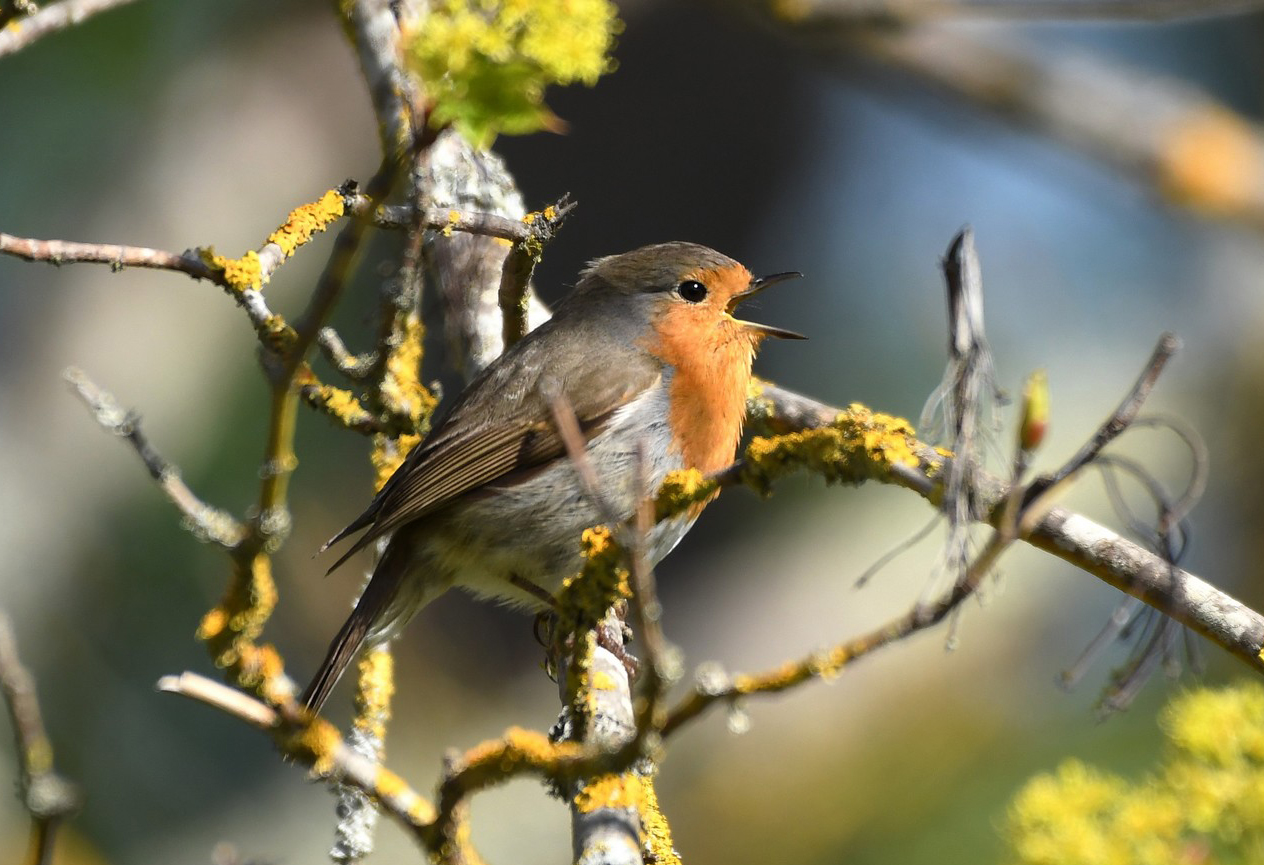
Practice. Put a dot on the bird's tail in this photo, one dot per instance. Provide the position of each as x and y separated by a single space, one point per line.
341 651
377 616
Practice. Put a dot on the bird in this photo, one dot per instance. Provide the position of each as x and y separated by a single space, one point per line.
648 354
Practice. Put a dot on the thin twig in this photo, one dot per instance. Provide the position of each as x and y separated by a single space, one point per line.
401 216
373 30
660 669
20 33
1126 412
47 796
408 808
354 366
520 263
333 278
607 831
206 522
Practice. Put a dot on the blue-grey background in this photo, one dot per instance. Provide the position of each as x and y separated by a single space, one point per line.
177 125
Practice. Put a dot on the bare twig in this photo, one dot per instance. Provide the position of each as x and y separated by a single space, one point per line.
192 263
373 30
47 796
408 808
1124 415
58 16
205 521
242 278
61 252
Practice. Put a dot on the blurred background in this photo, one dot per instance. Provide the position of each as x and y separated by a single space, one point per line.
178 125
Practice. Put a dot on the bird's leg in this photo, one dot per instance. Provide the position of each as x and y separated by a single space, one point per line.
616 643
545 630
535 591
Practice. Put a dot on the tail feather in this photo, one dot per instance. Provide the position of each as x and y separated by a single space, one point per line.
377 615
341 651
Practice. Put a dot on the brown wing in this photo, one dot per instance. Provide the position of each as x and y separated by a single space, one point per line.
515 432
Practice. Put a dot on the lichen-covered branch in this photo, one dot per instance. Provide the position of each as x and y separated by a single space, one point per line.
315 744
515 278
851 450
21 32
375 686
243 278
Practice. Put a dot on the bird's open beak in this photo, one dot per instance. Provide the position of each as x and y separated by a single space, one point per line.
757 285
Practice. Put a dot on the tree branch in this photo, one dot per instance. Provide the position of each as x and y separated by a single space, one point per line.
21 32
47 796
206 522
324 750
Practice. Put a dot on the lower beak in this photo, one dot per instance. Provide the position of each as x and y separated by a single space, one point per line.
769 330
756 286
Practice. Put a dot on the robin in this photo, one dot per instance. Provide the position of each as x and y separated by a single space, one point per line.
647 352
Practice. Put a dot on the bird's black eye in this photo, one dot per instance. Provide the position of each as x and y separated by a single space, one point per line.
692 291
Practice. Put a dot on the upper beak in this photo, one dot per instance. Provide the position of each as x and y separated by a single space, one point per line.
757 285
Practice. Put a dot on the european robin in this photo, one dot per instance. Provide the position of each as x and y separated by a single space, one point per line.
648 354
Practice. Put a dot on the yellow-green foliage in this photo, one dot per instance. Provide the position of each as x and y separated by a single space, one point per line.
484 64
1205 803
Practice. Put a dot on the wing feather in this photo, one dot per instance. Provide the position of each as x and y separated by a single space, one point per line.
460 457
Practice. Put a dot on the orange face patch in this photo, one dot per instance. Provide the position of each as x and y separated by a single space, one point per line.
710 354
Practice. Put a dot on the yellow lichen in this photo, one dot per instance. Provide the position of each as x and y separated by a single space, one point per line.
375 685
655 829
519 749
386 783
680 490
306 221
229 629
316 744
610 791
338 403
241 274
401 391
213 624
858 446
603 681
582 603
387 460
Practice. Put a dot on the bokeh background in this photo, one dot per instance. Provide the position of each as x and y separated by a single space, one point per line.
176 125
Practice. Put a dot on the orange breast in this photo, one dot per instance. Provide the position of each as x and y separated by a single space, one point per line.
710 355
